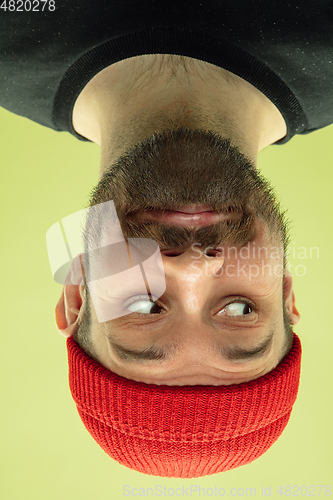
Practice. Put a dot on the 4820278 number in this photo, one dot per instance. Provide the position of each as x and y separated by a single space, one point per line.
28 5
310 491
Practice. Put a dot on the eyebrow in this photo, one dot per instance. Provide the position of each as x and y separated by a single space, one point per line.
236 353
154 353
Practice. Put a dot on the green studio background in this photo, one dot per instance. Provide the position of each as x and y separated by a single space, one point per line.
46 454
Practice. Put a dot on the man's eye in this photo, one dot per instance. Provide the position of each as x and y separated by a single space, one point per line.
236 309
144 307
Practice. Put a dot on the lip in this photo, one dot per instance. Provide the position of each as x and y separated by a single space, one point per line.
193 209
187 216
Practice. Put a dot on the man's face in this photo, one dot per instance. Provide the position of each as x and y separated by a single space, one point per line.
222 317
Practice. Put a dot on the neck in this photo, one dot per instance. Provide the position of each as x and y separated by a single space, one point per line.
134 98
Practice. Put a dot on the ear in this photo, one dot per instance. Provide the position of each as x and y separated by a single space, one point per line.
290 300
68 309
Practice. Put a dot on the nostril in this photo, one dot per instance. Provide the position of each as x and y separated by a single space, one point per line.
213 253
170 253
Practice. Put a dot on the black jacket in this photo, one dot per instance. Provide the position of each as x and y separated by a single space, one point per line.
284 48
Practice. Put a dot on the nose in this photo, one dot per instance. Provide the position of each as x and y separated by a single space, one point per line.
208 252
212 259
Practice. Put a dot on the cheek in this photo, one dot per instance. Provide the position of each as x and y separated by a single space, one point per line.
261 272
270 276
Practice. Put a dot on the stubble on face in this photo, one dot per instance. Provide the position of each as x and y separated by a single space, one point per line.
182 167
185 167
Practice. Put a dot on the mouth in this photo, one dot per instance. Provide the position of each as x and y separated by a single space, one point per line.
189 216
